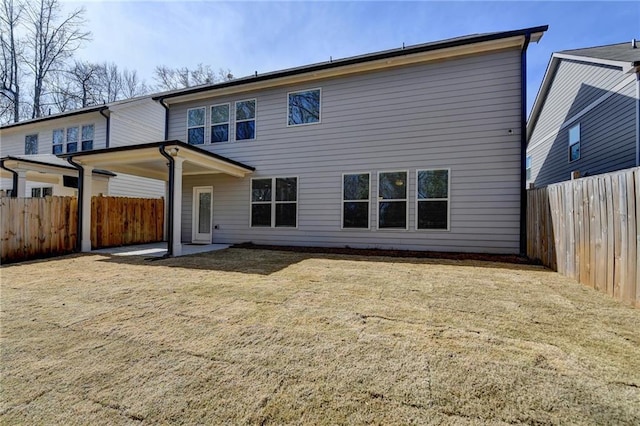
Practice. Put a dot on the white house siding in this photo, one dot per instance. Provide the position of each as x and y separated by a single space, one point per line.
136 122
124 185
461 114
12 139
607 131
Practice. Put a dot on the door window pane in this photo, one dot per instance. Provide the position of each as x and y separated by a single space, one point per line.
204 213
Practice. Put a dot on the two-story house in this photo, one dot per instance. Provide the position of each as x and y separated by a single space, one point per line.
586 117
29 149
420 147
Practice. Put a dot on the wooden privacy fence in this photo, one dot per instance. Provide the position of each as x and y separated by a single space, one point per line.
41 227
587 229
37 227
118 221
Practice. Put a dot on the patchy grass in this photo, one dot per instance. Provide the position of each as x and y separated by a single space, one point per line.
251 336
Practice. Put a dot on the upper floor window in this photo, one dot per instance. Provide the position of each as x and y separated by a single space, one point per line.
574 143
87 137
57 142
72 139
31 144
355 200
274 202
304 107
528 167
195 126
392 200
246 120
433 199
220 123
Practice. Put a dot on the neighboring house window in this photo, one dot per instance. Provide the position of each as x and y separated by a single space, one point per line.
277 208
220 123
433 199
355 200
195 126
304 107
31 144
528 168
87 137
392 200
574 143
42 192
72 139
246 120
57 144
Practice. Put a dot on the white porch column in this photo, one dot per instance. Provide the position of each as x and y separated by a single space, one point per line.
177 206
87 190
165 230
21 190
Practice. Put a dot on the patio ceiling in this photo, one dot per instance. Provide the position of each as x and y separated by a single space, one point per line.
146 160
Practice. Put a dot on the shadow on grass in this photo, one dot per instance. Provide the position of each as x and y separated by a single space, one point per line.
266 260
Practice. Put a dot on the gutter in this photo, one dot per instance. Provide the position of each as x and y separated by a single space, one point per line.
14 190
80 199
108 117
166 117
523 144
170 201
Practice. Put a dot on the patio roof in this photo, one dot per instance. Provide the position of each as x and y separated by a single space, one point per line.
42 167
146 160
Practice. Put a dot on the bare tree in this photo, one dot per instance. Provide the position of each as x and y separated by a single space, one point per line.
11 51
177 78
52 41
132 86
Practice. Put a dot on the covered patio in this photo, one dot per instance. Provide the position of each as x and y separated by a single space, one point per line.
165 160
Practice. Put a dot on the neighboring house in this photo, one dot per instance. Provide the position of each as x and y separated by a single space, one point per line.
586 116
38 141
420 147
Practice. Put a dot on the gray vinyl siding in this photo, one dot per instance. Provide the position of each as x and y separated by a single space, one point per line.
124 185
138 122
461 114
567 96
607 132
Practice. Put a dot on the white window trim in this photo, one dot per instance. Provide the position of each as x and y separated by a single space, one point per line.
406 200
37 135
62 144
448 200
77 142
273 201
319 110
204 126
236 121
93 141
342 201
228 123
579 142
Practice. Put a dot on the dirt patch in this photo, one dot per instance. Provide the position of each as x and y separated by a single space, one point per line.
273 337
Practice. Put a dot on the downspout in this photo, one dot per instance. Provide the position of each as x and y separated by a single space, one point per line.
170 201
166 118
14 190
523 144
108 117
80 198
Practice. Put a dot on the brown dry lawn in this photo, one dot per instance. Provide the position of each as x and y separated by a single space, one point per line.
254 337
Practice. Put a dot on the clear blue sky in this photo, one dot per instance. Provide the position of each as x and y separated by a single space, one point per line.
267 36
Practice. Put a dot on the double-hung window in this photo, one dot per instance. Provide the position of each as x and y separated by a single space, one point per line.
246 120
57 142
304 107
42 192
195 125
355 200
72 139
574 143
392 200
274 202
433 199
220 123
87 137
31 144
